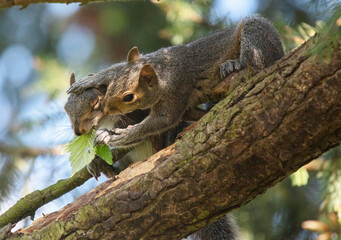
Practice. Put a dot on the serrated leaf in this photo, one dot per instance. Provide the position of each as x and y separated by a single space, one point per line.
300 177
104 152
81 151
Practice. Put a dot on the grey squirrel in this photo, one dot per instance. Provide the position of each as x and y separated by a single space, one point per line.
84 113
178 78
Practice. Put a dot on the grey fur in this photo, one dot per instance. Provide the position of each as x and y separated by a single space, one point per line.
229 67
223 229
186 75
81 112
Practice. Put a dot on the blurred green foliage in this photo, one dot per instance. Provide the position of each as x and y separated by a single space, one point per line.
330 32
300 177
330 176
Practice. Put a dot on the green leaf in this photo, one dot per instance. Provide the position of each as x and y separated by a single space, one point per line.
104 152
300 177
81 151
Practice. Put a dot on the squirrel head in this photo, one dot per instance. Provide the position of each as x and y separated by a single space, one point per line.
84 109
136 88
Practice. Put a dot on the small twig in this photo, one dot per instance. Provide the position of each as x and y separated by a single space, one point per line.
28 205
25 151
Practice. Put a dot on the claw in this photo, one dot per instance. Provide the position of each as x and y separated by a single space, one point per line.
221 73
71 89
229 67
224 72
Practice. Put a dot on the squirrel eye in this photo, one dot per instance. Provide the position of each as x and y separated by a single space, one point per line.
128 97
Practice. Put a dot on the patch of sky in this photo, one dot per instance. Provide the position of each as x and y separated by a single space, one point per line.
62 10
52 124
6 115
18 62
75 45
22 27
16 67
234 10
3 74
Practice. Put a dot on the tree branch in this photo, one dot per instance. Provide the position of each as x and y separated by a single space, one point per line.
269 125
38 198
28 205
25 151
25 3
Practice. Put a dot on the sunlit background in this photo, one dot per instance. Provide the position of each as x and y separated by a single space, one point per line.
41 45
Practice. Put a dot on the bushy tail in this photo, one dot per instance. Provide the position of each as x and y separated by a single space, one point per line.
260 44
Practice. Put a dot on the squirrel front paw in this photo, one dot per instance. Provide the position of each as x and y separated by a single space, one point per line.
229 67
75 88
116 137
83 84
103 136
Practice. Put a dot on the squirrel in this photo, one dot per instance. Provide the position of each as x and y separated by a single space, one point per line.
178 78
84 112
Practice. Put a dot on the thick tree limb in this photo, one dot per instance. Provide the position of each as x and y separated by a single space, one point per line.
267 127
25 3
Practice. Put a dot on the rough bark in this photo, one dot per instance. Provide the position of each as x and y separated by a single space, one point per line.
267 127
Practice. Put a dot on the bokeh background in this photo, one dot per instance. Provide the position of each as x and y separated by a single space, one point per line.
41 45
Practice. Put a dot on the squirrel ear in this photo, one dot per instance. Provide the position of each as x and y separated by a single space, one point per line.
148 76
72 79
133 55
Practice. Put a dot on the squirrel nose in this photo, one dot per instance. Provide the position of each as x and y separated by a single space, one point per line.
77 132
80 130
